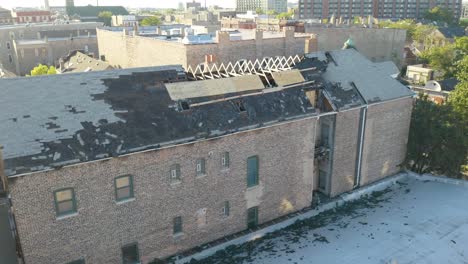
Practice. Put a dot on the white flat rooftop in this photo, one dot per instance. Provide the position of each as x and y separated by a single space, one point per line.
413 221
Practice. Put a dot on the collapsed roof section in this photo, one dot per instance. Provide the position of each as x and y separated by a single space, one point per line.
53 121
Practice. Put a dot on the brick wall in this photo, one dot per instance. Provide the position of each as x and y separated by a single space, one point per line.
376 44
101 227
345 151
127 51
386 137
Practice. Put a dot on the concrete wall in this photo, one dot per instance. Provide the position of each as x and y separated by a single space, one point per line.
102 227
376 44
386 138
127 51
345 151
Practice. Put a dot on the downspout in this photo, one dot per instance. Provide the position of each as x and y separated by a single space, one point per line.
361 145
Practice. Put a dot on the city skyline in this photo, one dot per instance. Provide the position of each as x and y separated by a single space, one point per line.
138 3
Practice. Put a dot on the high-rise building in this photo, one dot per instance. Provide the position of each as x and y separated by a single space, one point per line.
392 9
279 6
69 3
46 5
465 10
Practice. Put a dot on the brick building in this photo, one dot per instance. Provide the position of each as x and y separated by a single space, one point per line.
129 50
32 16
393 9
279 6
5 17
145 163
23 47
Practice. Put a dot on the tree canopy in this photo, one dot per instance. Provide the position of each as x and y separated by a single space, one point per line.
259 11
151 21
439 14
105 17
414 31
286 15
43 70
446 58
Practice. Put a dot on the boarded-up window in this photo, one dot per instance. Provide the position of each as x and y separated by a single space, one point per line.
201 217
177 228
225 160
201 167
175 173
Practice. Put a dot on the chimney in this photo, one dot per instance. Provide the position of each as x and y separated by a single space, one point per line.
311 44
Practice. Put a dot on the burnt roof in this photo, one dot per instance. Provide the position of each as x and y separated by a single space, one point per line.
65 119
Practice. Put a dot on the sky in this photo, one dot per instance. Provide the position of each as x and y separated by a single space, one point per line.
127 3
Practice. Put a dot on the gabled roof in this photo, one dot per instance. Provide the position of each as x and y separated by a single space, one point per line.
56 120
351 69
80 62
448 84
452 32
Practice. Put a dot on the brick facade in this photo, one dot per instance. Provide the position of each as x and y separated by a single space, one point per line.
102 227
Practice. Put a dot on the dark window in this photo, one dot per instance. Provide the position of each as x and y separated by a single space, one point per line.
225 160
201 167
175 173
226 209
252 217
130 254
177 225
65 202
8 45
240 106
10 59
123 187
80 261
322 180
252 171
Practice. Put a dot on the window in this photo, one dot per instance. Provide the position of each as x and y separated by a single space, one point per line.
252 217
225 160
201 167
226 209
8 45
80 261
65 202
10 59
322 180
252 171
36 52
177 229
123 188
130 254
175 173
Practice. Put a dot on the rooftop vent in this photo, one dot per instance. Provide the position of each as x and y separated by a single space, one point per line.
184 105
240 106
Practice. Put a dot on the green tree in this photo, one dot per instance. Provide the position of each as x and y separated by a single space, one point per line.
459 97
272 13
286 15
151 21
43 70
441 59
105 17
436 143
259 11
439 14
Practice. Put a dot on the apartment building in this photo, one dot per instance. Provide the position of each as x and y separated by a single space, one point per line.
32 16
386 9
144 163
22 47
5 17
279 6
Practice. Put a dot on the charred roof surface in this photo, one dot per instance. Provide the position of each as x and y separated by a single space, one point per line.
59 120
51 121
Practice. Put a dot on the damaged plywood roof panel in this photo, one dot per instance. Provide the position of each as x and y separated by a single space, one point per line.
286 78
206 88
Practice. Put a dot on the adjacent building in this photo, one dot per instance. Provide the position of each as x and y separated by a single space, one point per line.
90 13
31 16
145 163
465 10
125 49
5 17
22 47
79 61
279 6
384 9
376 44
